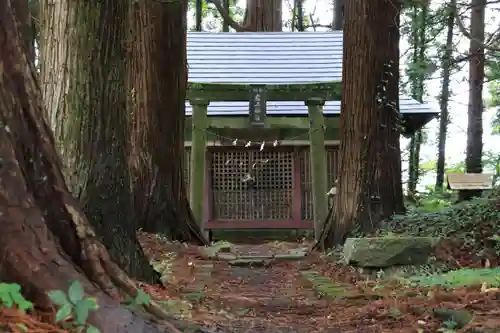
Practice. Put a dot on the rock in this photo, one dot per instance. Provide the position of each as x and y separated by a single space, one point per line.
381 252
323 285
226 256
283 330
194 296
255 257
179 307
460 318
249 262
483 330
210 252
290 257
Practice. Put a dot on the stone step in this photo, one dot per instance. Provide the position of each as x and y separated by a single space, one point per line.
323 286
203 272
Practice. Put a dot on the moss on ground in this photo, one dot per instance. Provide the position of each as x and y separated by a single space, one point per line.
459 278
473 223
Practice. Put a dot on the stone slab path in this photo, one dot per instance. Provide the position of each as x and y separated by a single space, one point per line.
286 295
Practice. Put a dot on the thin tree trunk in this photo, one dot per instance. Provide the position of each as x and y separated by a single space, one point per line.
83 77
46 241
417 78
338 14
158 80
299 8
23 14
474 151
444 98
414 163
225 25
370 187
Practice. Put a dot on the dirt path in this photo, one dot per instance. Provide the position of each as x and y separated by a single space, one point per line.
267 298
312 295
279 297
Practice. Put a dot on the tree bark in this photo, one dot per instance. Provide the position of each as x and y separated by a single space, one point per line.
158 79
414 163
444 98
338 14
23 14
46 241
260 15
83 75
474 151
417 80
264 15
369 188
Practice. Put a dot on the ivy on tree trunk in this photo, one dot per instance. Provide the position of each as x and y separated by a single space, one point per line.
446 63
417 71
369 188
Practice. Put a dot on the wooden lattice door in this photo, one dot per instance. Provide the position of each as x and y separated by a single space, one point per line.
250 184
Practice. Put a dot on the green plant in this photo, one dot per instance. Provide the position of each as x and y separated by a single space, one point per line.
459 278
471 222
10 295
74 306
139 300
449 326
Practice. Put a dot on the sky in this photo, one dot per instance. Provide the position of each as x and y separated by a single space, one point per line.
322 11
456 141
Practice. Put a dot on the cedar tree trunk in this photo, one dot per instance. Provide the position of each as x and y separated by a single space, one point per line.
260 15
414 163
157 83
474 151
46 241
369 187
444 98
23 14
338 14
264 15
83 81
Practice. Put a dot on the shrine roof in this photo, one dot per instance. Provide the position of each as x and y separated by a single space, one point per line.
271 58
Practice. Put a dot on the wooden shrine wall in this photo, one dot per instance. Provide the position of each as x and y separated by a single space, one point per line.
250 185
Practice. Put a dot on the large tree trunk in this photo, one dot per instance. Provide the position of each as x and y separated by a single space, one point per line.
264 15
369 188
444 97
474 151
46 241
158 79
260 15
83 75
23 14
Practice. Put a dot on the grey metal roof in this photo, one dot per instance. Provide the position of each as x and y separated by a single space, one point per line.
270 58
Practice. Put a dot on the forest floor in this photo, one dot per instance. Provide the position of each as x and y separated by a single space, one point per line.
309 294
317 295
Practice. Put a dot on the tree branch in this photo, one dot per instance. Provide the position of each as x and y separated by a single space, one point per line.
468 35
226 17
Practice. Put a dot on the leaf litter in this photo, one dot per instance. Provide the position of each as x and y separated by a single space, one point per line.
269 299
282 296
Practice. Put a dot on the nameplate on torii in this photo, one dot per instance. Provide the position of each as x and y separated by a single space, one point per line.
257 106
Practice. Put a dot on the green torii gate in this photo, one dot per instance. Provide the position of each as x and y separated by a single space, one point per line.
314 96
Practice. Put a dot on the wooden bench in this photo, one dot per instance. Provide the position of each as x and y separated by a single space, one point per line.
470 181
